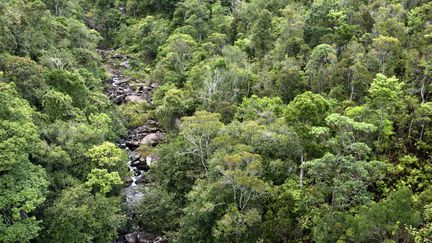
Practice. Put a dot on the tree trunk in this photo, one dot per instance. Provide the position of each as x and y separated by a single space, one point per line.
301 170
422 91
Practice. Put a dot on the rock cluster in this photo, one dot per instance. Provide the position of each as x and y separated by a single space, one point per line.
143 237
123 90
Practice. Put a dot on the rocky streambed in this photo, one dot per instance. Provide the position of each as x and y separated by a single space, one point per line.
123 90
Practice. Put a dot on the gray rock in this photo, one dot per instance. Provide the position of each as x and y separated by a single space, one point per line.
135 99
132 144
140 165
134 156
141 179
151 159
119 99
131 238
128 181
125 64
153 139
144 237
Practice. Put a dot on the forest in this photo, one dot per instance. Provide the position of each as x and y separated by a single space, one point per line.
216 121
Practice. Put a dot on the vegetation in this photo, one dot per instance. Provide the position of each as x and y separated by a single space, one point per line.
286 121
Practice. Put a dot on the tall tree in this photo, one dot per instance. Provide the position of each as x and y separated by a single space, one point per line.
23 185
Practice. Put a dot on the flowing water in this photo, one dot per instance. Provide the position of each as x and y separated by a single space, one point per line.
123 90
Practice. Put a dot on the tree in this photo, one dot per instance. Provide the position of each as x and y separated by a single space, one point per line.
386 220
70 83
386 50
291 39
389 21
175 57
57 105
262 39
320 68
228 200
281 221
196 14
384 93
23 185
100 180
353 69
419 66
108 156
27 76
172 103
318 21
305 113
254 108
344 174
77 216
26 26
139 8
198 131
289 79
176 171
159 211
340 179
144 37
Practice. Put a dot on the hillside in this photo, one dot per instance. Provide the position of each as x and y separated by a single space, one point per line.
215 121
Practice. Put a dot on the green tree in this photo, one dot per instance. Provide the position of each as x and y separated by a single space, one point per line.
254 108
344 174
353 68
23 185
318 22
172 103
57 105
196 14
175 58
198 131
159 211
386 220
386 50
78 216
383 96
306 114
108 156
100 180
144 37
320 68
262 39
227 204
27 76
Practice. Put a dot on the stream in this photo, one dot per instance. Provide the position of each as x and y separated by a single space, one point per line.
123 90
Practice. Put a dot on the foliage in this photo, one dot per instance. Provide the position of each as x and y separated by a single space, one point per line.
78 216
23 184
286 121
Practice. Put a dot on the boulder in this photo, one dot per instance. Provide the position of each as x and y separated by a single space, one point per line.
151 159
137 172
160 240
134 156
128 181
119 99
118 56
144 237
152 139
132 144
135 99
140 165
125 64
131 238
141 179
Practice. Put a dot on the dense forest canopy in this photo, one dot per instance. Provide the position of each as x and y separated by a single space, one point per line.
281 120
